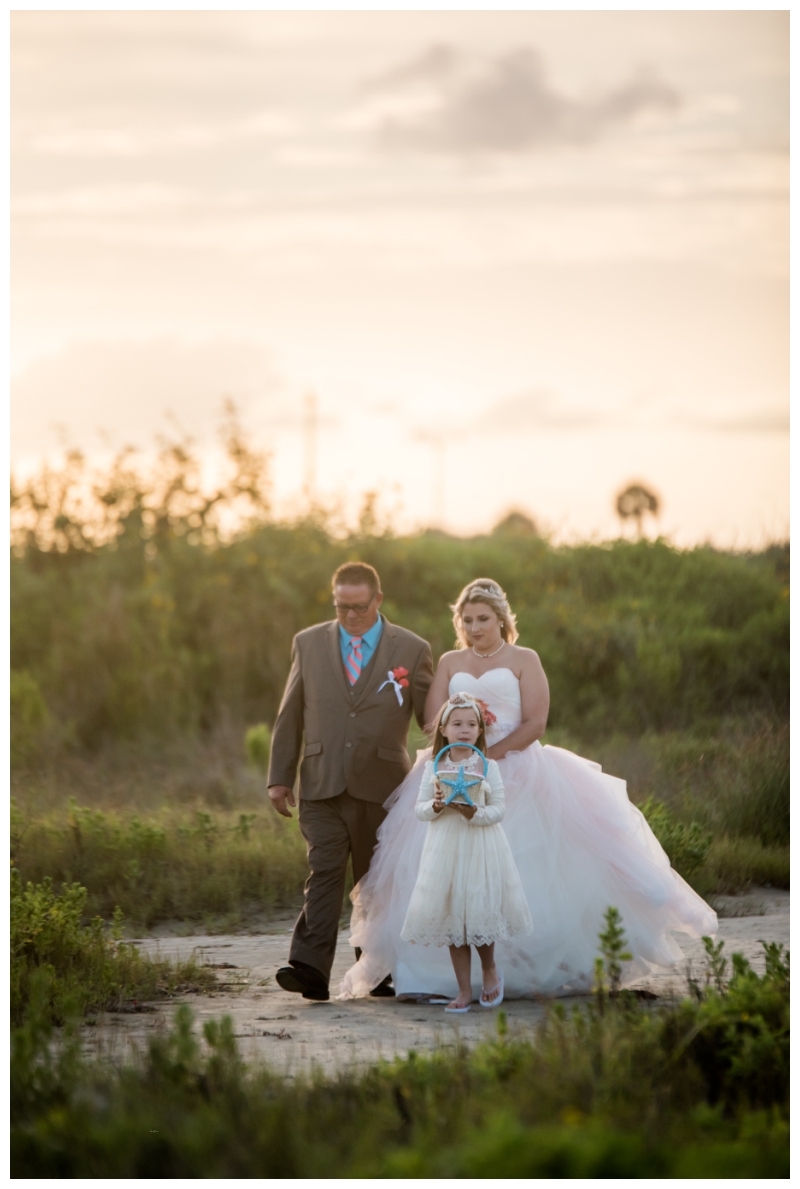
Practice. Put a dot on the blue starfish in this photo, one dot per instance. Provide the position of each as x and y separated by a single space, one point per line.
459 787
460 783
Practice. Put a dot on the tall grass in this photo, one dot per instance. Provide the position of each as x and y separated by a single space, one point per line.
171 864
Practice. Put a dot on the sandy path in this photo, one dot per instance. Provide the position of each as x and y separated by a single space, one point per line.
294 1034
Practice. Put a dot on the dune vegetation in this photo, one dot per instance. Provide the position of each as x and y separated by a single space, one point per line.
614 1088
151 625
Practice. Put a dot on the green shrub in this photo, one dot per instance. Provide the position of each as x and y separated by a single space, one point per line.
697 1089
79 967
257 745
686 846
735 1038
140 619
29 715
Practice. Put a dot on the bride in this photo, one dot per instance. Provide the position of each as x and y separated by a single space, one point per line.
578 842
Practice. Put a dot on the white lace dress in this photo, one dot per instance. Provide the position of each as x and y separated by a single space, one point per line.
468 890
579 846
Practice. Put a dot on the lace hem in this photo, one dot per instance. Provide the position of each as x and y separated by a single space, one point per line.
455 936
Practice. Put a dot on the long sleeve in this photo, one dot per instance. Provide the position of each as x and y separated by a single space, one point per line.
424 806
495 808
287 734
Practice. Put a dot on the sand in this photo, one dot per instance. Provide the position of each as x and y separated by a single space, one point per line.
294 1034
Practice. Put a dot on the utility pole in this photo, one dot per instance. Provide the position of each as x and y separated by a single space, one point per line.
437 442
310 421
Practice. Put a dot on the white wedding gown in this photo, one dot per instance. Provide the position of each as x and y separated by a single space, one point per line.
579 846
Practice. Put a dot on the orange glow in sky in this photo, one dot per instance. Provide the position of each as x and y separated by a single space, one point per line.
520 257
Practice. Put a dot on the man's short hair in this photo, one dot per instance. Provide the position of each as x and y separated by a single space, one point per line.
357 573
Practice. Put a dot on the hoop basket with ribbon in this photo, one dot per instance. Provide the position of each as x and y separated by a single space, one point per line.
460 783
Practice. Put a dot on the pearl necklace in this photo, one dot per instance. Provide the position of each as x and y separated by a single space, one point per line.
485 655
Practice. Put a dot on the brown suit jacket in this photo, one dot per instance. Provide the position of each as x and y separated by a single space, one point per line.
355 737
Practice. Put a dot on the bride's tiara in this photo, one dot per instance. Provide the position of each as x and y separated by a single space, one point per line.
493 592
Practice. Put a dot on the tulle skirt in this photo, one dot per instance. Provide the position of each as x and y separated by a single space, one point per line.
579 847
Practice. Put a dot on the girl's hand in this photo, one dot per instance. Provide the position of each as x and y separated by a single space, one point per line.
438 798
467 811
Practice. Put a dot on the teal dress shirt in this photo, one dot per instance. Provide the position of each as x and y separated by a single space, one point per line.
369 642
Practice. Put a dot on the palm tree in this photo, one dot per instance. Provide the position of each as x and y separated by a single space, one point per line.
634 502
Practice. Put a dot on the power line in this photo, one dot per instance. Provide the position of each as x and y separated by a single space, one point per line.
310 427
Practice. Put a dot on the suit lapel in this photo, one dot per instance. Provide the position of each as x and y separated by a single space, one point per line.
379 664
335 657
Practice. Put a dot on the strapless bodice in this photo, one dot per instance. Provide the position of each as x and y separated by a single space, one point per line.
499 689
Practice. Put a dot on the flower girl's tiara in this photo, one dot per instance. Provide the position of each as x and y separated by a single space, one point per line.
461 700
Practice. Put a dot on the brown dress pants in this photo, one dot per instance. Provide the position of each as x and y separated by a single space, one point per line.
333 829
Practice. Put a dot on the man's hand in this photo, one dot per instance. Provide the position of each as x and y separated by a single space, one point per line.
281 796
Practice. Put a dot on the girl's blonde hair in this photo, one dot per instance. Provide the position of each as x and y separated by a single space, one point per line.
468 703
485 590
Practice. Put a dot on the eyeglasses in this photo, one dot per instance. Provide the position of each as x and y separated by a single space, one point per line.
359 608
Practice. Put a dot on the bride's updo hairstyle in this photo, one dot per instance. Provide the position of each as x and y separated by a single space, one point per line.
484 590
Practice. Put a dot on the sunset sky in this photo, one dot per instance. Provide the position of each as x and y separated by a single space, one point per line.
545 251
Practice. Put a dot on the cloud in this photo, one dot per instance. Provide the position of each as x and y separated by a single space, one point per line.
512 107
766 421
538 409
541 409
437 62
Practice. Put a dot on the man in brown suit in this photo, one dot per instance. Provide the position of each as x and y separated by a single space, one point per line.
346 709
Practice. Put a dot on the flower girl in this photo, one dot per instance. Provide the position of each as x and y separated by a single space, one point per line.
468 891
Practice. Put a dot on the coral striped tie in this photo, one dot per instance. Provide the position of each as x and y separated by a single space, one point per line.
353 662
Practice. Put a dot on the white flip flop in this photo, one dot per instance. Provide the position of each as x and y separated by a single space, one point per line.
495 1002
438 1002
457 1011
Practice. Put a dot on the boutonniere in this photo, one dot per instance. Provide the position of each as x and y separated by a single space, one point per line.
398 679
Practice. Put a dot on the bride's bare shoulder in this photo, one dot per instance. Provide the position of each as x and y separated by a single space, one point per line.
526 657
448 659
